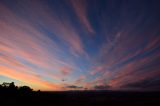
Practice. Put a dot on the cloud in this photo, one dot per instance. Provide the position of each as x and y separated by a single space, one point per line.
46 41
74 87
66 70
80 7
128 57
57 24
27 78
136 71
147 84
28 55
97 69
81 79
101 87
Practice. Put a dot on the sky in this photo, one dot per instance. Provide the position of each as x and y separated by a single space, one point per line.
58 45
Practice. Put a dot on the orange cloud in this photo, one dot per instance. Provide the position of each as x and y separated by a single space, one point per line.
28 78
26 54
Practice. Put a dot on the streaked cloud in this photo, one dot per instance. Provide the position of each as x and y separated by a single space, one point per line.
80 7
74 87
46 44
101 87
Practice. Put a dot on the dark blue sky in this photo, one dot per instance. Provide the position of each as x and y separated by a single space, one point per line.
94 44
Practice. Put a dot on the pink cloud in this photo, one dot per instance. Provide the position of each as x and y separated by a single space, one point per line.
66 70
81 79
131 72
18 75
80 10
97 69
22 46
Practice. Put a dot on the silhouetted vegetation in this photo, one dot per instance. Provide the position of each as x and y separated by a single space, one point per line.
12 95
11 88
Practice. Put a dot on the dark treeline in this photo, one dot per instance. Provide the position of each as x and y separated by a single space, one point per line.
11 88
12 95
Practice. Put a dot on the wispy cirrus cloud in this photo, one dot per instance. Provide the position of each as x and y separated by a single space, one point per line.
81 79
26 52
46 42
128 59
80 7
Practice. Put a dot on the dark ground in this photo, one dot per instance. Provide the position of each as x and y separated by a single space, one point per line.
79 98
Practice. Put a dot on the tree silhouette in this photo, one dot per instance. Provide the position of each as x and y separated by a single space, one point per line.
11 88
25 89
5 85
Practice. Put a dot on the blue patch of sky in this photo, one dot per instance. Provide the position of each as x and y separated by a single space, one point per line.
9 80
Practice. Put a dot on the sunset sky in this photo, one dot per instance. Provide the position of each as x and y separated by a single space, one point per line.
80 44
